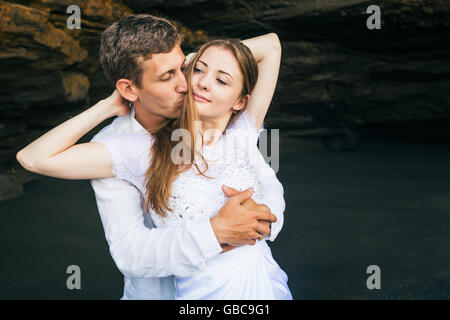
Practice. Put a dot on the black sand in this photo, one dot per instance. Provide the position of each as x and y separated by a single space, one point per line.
385 204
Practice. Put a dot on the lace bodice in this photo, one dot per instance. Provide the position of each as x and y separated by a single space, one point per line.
231 162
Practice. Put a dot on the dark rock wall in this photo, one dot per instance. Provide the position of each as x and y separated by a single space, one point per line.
335 74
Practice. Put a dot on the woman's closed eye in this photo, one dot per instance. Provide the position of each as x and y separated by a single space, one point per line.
222 82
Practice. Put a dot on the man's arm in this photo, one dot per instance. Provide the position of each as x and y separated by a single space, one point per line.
142 252
139 251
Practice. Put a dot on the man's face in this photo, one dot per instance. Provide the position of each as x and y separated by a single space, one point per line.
163 85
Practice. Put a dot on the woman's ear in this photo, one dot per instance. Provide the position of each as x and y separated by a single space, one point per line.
241 103
126 89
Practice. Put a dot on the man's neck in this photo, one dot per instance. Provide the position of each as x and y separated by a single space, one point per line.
146 119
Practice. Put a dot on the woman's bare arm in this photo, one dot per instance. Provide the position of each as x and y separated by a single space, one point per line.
55 153
267 51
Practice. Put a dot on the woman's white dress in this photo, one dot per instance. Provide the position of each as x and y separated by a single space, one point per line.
246 272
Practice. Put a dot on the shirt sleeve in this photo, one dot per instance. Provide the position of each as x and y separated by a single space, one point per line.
137 250
272 193
130 155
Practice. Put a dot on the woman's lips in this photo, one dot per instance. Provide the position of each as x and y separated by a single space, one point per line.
200 98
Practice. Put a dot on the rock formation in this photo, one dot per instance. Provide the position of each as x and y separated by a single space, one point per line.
337 76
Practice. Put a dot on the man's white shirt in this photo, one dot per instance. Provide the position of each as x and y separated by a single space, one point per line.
148 257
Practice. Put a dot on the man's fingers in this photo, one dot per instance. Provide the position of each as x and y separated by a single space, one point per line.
260 215
263 208
227 247
243 195
261 228
266 223
242 242
229 191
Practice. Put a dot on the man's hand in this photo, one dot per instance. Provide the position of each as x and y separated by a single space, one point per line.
250 204
237 225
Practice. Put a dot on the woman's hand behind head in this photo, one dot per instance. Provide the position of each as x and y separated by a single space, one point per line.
120 107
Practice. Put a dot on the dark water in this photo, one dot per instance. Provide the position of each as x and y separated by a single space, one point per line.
385 204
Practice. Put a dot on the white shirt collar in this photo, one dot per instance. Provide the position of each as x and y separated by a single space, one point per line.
136 127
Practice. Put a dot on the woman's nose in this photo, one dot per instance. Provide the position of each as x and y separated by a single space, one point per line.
203 83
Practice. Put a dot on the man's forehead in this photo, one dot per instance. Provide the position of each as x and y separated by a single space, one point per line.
161 63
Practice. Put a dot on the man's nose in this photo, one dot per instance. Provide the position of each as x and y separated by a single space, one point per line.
182 84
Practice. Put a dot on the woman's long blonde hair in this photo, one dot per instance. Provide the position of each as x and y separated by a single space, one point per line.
162 171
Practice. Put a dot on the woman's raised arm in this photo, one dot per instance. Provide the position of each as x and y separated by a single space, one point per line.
55 153
267 51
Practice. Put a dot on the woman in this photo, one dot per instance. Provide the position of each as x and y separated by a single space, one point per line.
221 77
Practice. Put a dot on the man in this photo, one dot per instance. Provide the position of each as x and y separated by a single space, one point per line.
142 58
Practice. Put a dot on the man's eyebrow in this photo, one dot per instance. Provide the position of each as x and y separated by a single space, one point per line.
170 71
221 71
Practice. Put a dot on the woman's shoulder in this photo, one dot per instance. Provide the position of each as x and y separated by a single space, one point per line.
128 141
129 151
244 129
245 122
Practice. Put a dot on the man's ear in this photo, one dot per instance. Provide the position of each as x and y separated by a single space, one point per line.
126 89
241 103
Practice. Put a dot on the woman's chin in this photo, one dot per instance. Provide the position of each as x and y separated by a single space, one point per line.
201 110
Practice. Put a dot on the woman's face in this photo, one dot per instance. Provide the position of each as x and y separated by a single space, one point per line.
217 83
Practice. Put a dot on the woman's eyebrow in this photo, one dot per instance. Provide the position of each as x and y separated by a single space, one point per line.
221 71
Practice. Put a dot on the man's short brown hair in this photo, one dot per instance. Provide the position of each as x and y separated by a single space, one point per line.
127 43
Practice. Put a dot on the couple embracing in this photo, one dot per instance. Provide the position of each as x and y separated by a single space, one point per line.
191 229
